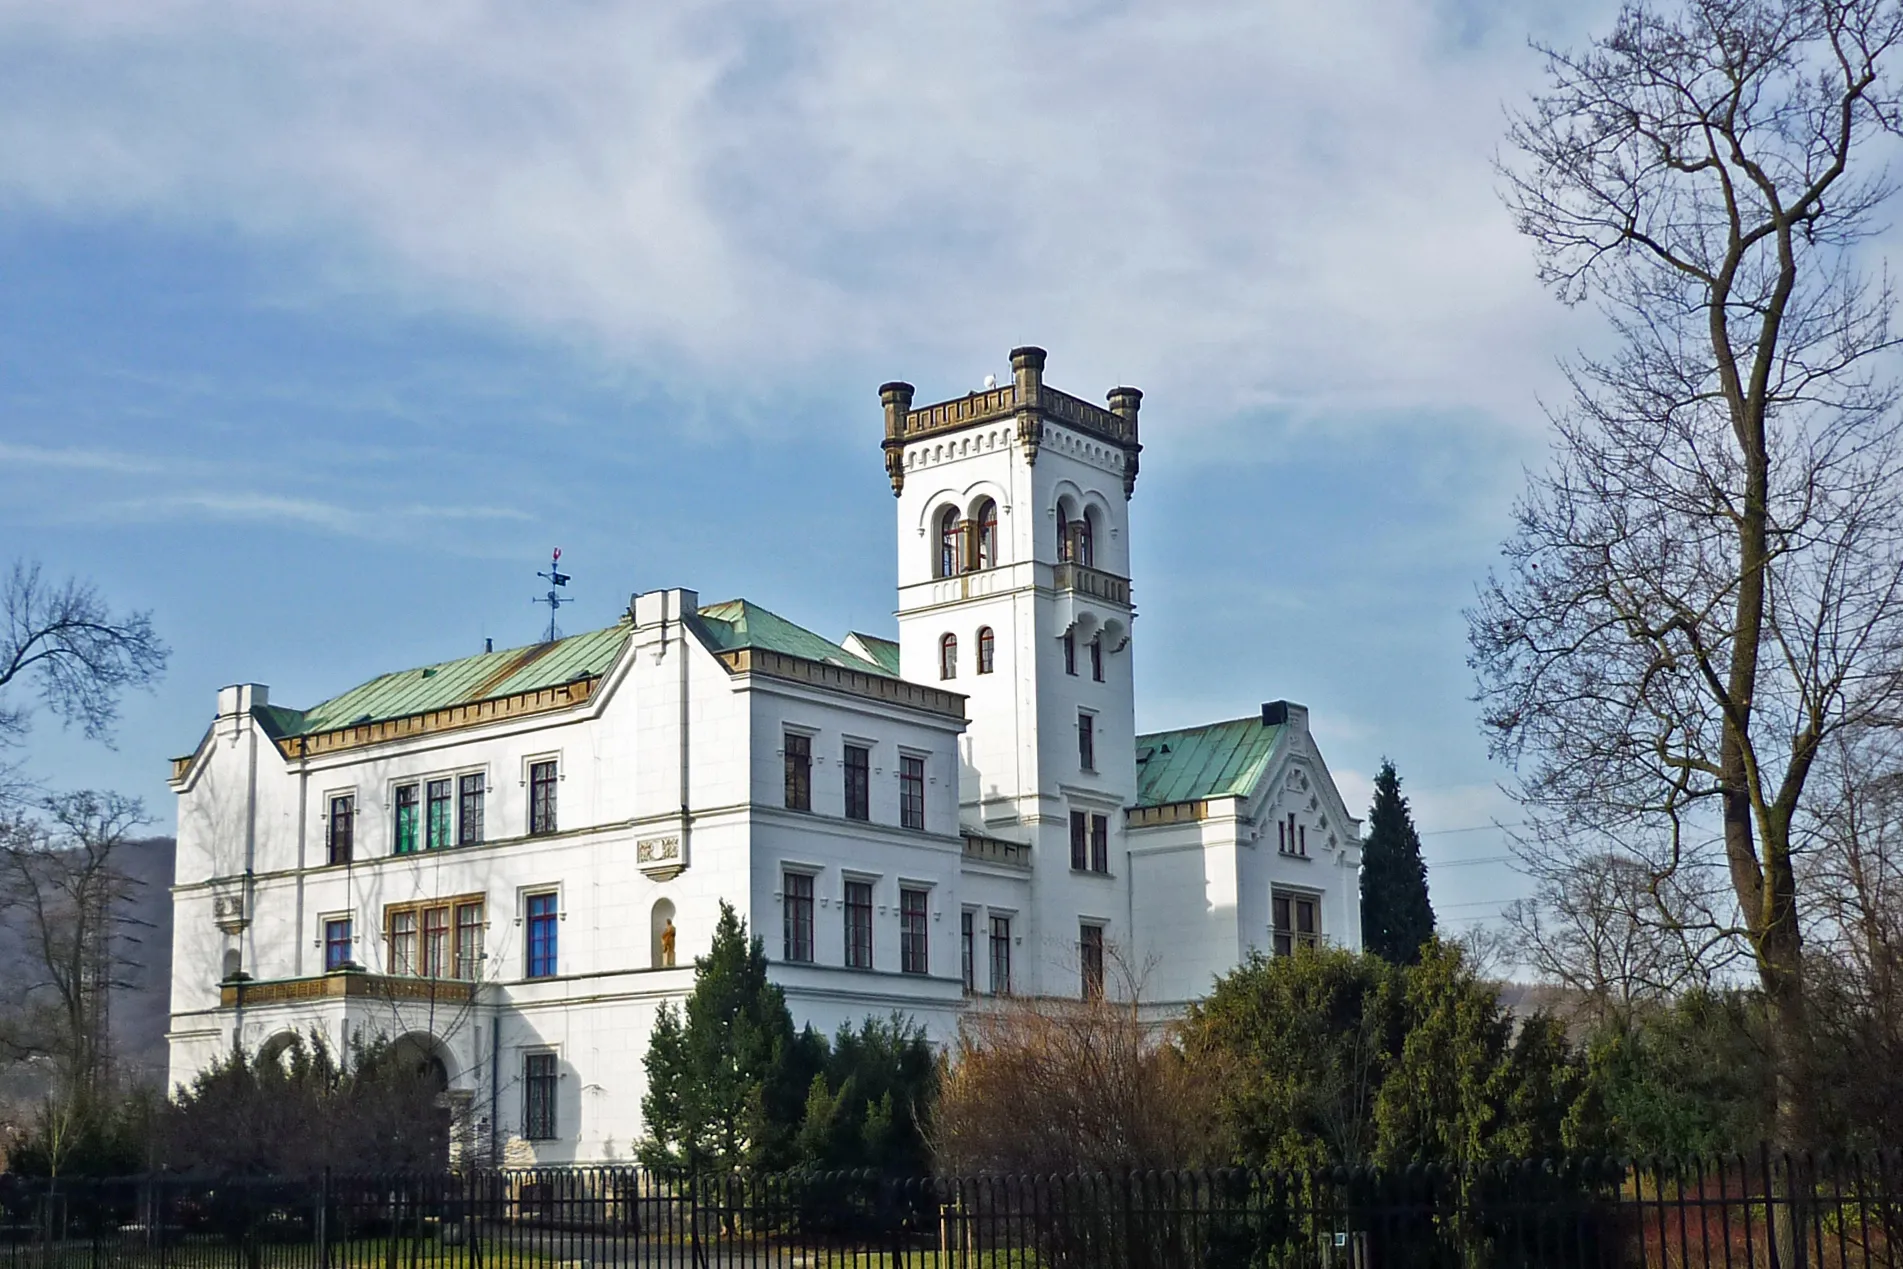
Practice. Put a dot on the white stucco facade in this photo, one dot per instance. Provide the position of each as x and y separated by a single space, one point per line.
501 840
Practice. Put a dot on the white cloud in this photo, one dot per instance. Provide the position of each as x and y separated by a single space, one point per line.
1234 205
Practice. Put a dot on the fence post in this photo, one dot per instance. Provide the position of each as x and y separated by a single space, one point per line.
323 1220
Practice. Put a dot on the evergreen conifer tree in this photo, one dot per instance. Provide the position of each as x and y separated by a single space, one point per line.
1396 917
726 1083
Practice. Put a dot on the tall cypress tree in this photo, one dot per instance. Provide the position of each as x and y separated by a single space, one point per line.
1396 917
726 1076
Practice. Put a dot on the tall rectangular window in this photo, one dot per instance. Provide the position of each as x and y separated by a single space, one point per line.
914 955
1070 653
1079 841
911 791
436 942
1000 956
402 937
859 924
437 827
1096 659
1100 843
1090 959
544 916
797 891
542 780
406 809
799 771
538 1096
858 782
469 941
1296 922
336 943
343 826
469 812
1086 741
967 948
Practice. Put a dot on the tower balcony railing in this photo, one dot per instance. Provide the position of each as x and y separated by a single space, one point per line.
995 850
1094 582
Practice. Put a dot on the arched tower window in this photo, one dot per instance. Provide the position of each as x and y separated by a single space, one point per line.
948 657
987 649
987 521
1065 543
948 542
1083 532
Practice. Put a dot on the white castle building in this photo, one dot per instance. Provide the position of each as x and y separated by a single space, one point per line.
511 859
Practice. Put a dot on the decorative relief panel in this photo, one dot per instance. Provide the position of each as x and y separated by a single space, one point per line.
228 911
660 857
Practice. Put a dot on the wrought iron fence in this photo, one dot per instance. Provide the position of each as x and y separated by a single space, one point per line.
1786 1212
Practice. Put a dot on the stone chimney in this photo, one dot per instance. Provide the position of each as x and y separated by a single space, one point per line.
897 399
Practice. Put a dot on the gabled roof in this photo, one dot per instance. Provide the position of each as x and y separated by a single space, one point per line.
1216 760
884 651
464 681
739 624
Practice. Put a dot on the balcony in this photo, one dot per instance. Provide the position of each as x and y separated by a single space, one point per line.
1084 580
342 985
995 850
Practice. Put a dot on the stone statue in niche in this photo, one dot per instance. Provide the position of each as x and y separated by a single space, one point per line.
667 944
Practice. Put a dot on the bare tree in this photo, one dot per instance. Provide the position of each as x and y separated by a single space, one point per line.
1707 581
1043 1085
77 653
63 889
1618 933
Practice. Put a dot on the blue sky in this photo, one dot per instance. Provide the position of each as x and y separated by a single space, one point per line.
319 327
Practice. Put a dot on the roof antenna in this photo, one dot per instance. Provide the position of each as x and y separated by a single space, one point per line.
554 599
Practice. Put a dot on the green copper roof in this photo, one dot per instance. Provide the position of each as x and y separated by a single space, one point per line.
739 624
462 682
1218 760
884 651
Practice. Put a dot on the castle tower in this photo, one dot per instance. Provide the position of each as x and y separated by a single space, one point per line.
1013 571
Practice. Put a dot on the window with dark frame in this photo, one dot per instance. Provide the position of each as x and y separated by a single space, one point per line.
1296 919
544 919
543 777
469 809
437 826
858 782
799 771
797 891
336 943
911 791
1070 653
987 535
859 925
1096 658
1086 741
987 650
1000 956
343 825
1083 547
539 1082
948 657
967 948
406 819
1090 959
1065 542
1100 843
914 951
948 543
1079 841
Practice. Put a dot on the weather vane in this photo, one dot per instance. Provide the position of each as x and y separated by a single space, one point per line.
554 599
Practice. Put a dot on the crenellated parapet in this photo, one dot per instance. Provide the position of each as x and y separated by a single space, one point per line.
1027 402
